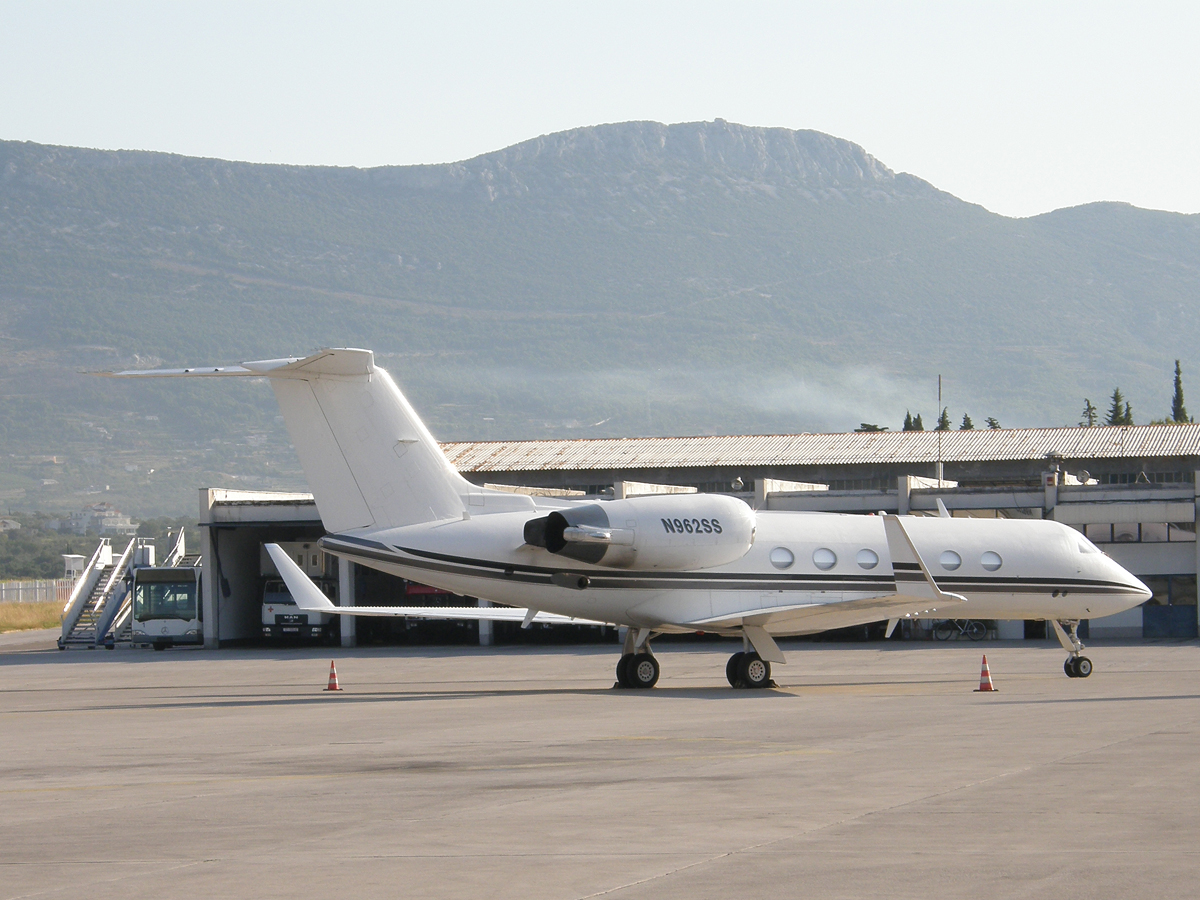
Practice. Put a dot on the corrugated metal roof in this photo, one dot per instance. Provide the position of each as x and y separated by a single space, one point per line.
981 445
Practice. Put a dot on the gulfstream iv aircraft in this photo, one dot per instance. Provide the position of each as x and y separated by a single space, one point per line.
675 563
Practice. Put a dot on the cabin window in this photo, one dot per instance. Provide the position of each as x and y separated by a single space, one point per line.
782 558
867 559
1086 546
950 560
824 558
991 560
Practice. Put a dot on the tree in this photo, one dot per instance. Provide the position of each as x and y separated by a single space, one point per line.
943 422
913 423
867 426
1178 410
918 425
1127 416
1089 414
1116 408
967 424
992 422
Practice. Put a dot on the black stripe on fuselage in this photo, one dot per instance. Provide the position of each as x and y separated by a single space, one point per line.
734 581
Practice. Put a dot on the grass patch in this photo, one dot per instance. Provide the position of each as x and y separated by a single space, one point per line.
27 616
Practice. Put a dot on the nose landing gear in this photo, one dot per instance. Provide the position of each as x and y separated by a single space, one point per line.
1077 665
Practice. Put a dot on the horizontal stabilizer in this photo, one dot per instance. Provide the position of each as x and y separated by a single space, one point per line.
342 362
310 598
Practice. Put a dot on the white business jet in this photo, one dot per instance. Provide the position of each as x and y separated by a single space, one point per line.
390 500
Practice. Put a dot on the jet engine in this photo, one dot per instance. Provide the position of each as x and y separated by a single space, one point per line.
671 531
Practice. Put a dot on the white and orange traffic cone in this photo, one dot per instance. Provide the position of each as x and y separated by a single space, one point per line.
333 682
985 678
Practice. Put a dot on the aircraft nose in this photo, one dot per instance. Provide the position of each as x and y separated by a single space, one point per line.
1139 589
1134 587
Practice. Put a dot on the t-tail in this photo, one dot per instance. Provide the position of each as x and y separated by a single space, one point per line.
369 460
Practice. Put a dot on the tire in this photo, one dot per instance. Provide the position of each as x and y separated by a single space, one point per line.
1069 667
642 671
943 631
623 670
731 668
1083 667
159 645
976 630
754 671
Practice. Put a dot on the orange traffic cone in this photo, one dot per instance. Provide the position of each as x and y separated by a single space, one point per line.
333 684
985 678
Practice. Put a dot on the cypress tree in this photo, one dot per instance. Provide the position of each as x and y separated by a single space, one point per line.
1116 411
918 425
1178 410
967 424
943 423
1127 416
908 421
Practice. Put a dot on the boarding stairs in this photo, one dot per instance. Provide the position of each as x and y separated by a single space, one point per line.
99 611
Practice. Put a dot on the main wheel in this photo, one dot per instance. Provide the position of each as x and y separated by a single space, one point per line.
754 671
623 670
1069 667
731 668
1083 667
944 630
976 630
642 671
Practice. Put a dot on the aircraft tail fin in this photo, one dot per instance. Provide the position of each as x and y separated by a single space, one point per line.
368 458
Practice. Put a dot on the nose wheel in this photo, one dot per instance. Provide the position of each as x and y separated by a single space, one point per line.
1077 665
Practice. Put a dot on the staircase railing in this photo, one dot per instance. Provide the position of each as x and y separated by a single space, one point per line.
109 605
84 586
178 551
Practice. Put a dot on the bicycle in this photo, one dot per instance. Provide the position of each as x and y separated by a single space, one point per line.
956 628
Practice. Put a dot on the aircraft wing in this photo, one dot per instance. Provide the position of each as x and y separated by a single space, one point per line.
310 598
822 616
916 593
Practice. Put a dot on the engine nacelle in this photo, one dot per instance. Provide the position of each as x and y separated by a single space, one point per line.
669 531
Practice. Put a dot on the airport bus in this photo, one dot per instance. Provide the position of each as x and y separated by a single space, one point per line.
166 606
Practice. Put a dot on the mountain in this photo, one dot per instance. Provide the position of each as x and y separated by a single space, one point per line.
614 280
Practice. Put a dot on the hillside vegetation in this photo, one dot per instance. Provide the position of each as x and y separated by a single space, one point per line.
617 280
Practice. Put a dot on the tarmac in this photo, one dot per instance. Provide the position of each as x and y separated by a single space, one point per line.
872 770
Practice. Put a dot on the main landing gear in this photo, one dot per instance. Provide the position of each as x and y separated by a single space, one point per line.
746 669
637 667
1077 665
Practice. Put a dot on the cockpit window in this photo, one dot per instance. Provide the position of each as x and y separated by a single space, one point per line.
1086 546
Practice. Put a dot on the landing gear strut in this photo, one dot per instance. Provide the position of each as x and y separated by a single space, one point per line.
637 667
1077 665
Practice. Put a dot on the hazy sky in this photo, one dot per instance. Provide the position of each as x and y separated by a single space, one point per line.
1022 107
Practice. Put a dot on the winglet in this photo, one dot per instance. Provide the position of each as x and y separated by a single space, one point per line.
307 595
912 575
